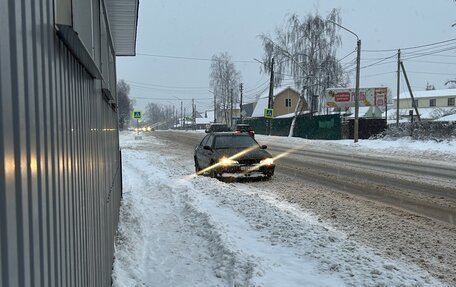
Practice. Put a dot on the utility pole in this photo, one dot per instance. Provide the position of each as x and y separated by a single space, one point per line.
184 117
231 107
174 117
182 113
271 94
240 105
411 93
193 113
358 62
215 109
398 85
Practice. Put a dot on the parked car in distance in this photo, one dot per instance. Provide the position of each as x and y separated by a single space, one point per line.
218 127
232 154
245 128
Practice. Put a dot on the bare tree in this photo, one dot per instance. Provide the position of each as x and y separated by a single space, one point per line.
224 80
158 115
306 50
124 103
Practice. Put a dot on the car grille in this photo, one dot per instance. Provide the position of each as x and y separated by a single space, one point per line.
248 161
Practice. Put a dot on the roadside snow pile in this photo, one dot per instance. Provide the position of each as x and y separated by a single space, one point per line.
179 230
404 147
396 147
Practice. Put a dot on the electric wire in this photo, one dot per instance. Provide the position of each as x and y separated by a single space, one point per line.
409 48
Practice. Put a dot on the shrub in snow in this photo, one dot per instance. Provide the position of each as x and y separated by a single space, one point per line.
437 131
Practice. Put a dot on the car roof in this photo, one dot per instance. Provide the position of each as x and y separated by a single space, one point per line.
229 133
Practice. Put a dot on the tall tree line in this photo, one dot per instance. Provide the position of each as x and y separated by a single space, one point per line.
159 115
124 103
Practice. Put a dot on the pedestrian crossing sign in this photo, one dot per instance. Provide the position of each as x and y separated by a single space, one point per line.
137 115
268 113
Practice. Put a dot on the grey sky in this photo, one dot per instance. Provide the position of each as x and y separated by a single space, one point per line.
202 28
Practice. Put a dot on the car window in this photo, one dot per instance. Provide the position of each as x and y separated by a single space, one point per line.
210 141
234 141
204 141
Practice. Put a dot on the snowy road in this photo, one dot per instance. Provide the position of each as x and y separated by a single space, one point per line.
424 187
180 230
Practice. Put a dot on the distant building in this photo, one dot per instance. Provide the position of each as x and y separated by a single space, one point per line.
285 101
247 109
428 99
431 104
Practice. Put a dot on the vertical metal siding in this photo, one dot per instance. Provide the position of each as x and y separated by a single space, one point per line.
60 176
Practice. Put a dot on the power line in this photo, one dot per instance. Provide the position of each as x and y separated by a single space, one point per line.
410 48
348 55
170 91
432 73
170 87
378 74
419 55
378 62
190 58
431 62
168 99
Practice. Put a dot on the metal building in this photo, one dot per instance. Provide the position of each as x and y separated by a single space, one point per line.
60 170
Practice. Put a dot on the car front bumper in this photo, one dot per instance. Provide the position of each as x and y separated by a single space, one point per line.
246 170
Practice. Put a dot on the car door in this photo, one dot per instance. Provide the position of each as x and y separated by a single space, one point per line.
199 150
206 155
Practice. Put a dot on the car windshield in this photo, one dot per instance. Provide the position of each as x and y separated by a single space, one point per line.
234 141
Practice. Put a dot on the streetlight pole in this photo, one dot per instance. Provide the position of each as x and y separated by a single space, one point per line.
358 61
215 103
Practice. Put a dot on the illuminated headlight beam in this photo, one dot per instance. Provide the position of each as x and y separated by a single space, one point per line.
273 159
233 158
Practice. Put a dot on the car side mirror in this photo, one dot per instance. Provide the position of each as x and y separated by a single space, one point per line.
206 147
206 131
264 147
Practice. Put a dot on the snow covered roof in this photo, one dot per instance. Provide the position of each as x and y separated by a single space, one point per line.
203 121
425 113
263 101
429 94
449 118
365 112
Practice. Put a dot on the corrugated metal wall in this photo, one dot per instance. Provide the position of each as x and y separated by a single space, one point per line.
60 181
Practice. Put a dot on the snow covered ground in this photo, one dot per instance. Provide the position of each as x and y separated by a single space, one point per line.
180 230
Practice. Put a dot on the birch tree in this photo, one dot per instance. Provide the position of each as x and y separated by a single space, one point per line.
224 80
305 49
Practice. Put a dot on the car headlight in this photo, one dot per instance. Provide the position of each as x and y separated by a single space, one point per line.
224 161
267 161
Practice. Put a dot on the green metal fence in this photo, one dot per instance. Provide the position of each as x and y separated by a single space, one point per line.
310 127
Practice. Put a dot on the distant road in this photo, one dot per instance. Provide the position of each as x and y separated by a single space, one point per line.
423 188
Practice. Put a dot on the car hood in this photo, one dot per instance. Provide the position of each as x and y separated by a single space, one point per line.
253 154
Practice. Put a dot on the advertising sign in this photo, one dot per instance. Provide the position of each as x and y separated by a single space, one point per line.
344 98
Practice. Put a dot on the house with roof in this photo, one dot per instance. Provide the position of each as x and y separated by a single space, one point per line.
431 104
285 101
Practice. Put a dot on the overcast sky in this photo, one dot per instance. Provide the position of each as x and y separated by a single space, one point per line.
202 28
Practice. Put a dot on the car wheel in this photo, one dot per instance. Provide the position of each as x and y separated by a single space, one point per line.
197 167
212 172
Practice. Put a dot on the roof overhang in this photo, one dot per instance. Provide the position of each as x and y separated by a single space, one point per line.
123 22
